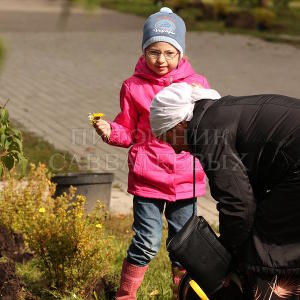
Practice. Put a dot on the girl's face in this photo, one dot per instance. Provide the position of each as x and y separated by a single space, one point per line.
161 57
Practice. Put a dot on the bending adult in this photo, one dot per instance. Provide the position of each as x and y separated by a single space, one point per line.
249 148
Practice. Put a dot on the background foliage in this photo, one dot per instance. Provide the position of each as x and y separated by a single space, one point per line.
273 20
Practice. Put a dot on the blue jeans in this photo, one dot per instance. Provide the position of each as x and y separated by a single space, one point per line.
147 225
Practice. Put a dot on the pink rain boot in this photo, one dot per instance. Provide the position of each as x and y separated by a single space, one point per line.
131 278
177 273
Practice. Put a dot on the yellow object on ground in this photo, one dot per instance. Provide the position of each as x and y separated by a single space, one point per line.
94 117
197 289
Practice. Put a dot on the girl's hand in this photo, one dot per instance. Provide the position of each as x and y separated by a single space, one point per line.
103 129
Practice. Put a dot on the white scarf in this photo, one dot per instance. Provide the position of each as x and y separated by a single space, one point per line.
174 104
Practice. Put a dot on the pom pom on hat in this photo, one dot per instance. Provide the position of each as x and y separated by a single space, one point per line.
165 26
166 10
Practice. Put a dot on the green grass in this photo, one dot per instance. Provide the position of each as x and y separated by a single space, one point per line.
33 279
37 150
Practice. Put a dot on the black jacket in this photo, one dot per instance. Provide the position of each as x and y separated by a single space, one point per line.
250 150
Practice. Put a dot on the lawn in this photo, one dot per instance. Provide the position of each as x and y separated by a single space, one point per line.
38 150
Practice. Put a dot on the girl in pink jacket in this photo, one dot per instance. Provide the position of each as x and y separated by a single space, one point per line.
159 179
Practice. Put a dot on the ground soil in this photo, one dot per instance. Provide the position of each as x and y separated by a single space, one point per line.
12 250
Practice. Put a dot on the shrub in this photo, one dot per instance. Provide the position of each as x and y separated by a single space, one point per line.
177 5
281 4
191 10
221 9
257 18
240 18
189 16
208 11
265 19
277 4
247 3
72 248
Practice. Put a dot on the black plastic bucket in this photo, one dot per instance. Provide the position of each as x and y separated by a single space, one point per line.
94 186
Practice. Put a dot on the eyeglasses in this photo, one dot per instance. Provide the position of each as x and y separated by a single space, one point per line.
154 54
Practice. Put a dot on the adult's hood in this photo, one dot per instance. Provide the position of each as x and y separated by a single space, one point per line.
175 103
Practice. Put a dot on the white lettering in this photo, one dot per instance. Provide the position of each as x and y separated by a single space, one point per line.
169 31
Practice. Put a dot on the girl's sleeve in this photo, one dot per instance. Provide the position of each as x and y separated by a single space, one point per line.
123 128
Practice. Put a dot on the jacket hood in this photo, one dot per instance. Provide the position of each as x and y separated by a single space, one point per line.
183 70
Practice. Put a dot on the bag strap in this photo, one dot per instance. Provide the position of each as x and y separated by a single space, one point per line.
194 184
194 172
205 107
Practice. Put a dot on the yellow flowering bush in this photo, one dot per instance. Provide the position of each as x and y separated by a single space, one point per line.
71 246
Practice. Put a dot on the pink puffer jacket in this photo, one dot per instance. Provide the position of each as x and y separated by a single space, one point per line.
155 171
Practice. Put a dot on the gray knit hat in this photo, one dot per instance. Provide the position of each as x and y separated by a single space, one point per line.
164 26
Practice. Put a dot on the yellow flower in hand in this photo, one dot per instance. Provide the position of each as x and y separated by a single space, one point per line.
94 117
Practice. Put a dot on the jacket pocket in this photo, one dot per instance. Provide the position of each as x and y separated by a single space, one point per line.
153 171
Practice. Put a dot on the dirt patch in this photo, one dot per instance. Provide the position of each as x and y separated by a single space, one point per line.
12 246
12 250
10 283
102 287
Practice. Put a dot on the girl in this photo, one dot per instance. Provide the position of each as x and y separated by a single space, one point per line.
159 179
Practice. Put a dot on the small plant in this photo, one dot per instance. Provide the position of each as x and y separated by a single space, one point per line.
11 148
71 247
